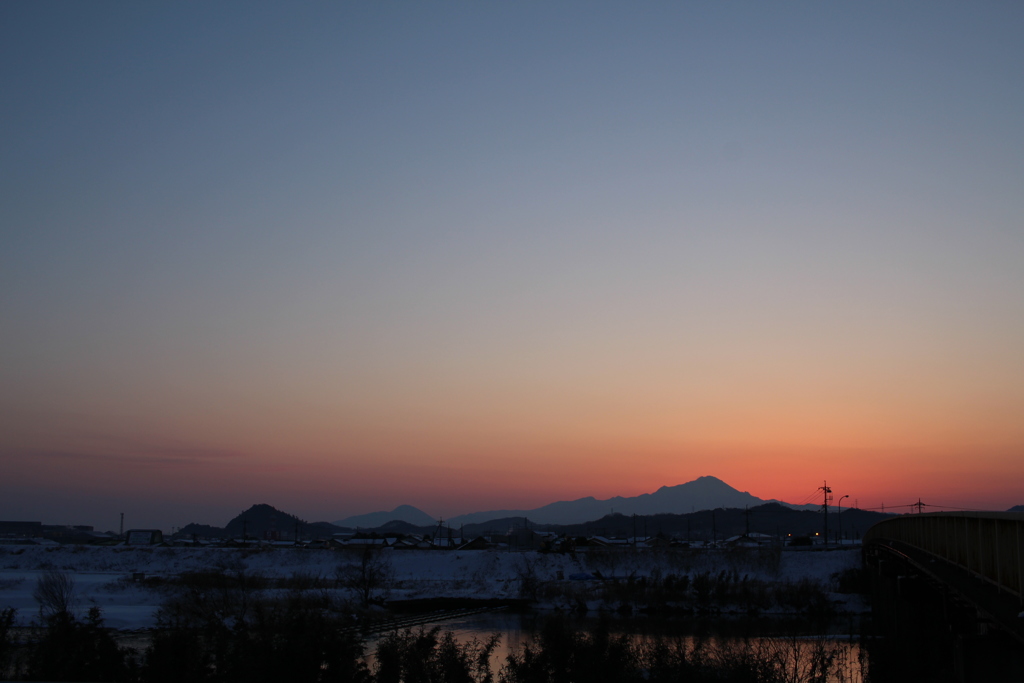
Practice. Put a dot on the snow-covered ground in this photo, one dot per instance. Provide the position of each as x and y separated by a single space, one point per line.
102 575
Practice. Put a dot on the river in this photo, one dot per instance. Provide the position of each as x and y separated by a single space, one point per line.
782 639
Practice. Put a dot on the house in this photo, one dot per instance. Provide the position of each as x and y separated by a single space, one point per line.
21 529
368 542
143 537
478 543
604 542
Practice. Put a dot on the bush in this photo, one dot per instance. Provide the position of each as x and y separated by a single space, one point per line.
6 641
55 593
70 650
562 654
293 639
426 657
806 597
565 654
526 575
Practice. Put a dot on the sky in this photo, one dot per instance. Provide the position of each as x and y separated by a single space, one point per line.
338 257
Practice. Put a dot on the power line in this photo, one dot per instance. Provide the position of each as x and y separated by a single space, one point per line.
809 497
920 505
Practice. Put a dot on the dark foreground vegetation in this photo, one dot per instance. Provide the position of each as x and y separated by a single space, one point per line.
293 641
236 627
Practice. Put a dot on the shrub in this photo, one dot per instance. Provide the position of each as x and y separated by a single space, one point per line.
292 639
70 650
55 593
6 641
526 575
425 656
564 654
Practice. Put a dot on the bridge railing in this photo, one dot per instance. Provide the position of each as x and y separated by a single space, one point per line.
988 544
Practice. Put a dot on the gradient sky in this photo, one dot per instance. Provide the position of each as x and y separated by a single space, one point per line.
337 257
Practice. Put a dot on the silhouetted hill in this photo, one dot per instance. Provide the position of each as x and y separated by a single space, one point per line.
1016 508
772 519
498 527
266 521
703 493
402 513
397 526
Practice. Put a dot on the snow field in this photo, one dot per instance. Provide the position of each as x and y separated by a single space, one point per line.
102 575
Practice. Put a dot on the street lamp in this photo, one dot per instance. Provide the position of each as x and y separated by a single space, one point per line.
841 518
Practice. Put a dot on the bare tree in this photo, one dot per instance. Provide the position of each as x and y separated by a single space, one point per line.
55 593
526 573
370 577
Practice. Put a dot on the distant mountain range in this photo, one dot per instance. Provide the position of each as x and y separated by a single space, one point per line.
773 519
670 509
703 493
402 513
265 522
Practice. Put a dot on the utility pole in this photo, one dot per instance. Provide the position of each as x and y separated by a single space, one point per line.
827 496
839 540
746 513
919 505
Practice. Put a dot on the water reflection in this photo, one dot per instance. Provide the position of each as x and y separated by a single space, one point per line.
789 640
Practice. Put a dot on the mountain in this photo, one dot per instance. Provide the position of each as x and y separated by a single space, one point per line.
703 493
262 521
771 518
402 513
1016 508
266 521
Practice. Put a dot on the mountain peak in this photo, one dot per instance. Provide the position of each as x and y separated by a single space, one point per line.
703 493
402 513
262 514
706 482
262 508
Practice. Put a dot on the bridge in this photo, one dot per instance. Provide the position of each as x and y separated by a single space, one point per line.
952 583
